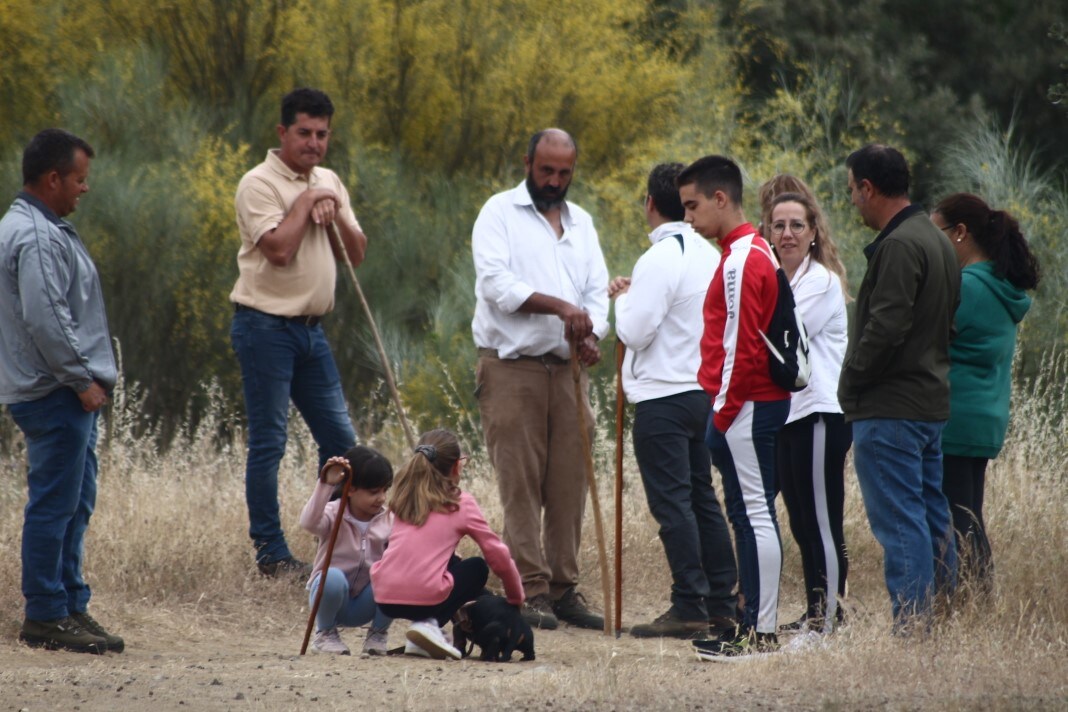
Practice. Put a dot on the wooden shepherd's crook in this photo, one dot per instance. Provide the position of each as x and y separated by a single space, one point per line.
591 480
332 229
329 553
621 405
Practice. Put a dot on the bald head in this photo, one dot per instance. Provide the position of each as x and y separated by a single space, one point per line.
556 138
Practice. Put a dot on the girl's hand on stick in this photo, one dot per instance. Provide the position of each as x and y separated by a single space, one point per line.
335 471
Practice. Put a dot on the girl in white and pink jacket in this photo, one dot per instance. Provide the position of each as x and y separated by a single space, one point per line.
348 599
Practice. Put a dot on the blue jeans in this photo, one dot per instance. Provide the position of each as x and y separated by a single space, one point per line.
669 435
61 448
283 360
899 468
745 458
338 608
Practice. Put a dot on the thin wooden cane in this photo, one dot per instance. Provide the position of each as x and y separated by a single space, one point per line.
332 229
621 405
591 480
326 561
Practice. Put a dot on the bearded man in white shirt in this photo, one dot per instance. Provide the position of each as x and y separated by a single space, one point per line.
659 318
541 286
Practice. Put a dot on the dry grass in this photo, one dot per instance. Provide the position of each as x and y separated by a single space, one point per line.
171 567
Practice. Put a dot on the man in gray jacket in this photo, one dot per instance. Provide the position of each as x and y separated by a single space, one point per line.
56 369
894 386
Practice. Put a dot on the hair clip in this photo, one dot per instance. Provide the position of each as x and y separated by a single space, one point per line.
428 451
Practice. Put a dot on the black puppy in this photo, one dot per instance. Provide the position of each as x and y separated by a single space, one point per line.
495 626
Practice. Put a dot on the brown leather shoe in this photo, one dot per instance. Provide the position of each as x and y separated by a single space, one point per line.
61 634
538 612
572 608
115 643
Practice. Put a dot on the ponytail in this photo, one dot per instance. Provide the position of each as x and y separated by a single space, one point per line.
423 485
997 235
1010 253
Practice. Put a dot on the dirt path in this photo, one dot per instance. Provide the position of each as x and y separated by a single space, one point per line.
231 666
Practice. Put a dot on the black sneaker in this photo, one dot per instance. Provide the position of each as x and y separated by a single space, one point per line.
744 646
802 623
572 608
115 643
61 634
288 566
538 612
670 625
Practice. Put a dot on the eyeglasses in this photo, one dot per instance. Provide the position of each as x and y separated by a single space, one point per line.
946 228
796 227
463 458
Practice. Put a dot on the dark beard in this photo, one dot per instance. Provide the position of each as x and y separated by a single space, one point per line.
545 199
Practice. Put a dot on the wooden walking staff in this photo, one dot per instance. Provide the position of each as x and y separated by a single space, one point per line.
621 406
591 480
332 229
329 553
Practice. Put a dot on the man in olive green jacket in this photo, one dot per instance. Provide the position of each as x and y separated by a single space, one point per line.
894 386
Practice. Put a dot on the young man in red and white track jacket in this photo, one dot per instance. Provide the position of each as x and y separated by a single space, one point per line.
748 409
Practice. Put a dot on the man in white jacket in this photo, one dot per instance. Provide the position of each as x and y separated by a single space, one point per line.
658 317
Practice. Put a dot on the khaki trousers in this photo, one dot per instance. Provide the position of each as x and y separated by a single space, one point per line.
530 423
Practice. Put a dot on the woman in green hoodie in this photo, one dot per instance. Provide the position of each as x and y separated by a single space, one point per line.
997 267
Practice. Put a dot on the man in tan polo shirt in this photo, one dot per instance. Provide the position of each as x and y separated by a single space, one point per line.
287 265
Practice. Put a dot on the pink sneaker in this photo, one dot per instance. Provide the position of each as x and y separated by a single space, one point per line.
329 641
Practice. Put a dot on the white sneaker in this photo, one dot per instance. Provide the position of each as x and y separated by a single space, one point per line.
428 636
329 641
806 640
411 648
376 642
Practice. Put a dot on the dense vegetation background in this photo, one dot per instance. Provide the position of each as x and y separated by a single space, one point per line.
436 99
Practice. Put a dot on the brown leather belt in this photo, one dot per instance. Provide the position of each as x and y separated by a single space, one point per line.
306 320
543 359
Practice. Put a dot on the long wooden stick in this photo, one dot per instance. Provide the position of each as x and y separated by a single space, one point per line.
621 406
326 562
591 480
332 229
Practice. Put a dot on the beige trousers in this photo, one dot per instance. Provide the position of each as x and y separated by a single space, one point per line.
530 424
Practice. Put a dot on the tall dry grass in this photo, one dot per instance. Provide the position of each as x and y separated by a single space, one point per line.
168 549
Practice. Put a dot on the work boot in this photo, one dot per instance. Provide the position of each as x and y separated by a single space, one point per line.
288 566
671 625
573 609
376 642
538 612
722 626
115 643
61 634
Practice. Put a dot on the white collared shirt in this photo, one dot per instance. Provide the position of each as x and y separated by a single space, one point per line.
659 318
517 253
819 298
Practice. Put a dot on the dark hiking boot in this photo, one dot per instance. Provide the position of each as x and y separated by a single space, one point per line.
288 566
719 626
538 612
747 645
115 643
61 634
571 608
670 625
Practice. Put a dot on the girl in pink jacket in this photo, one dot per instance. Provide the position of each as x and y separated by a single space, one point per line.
420 578
348 598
